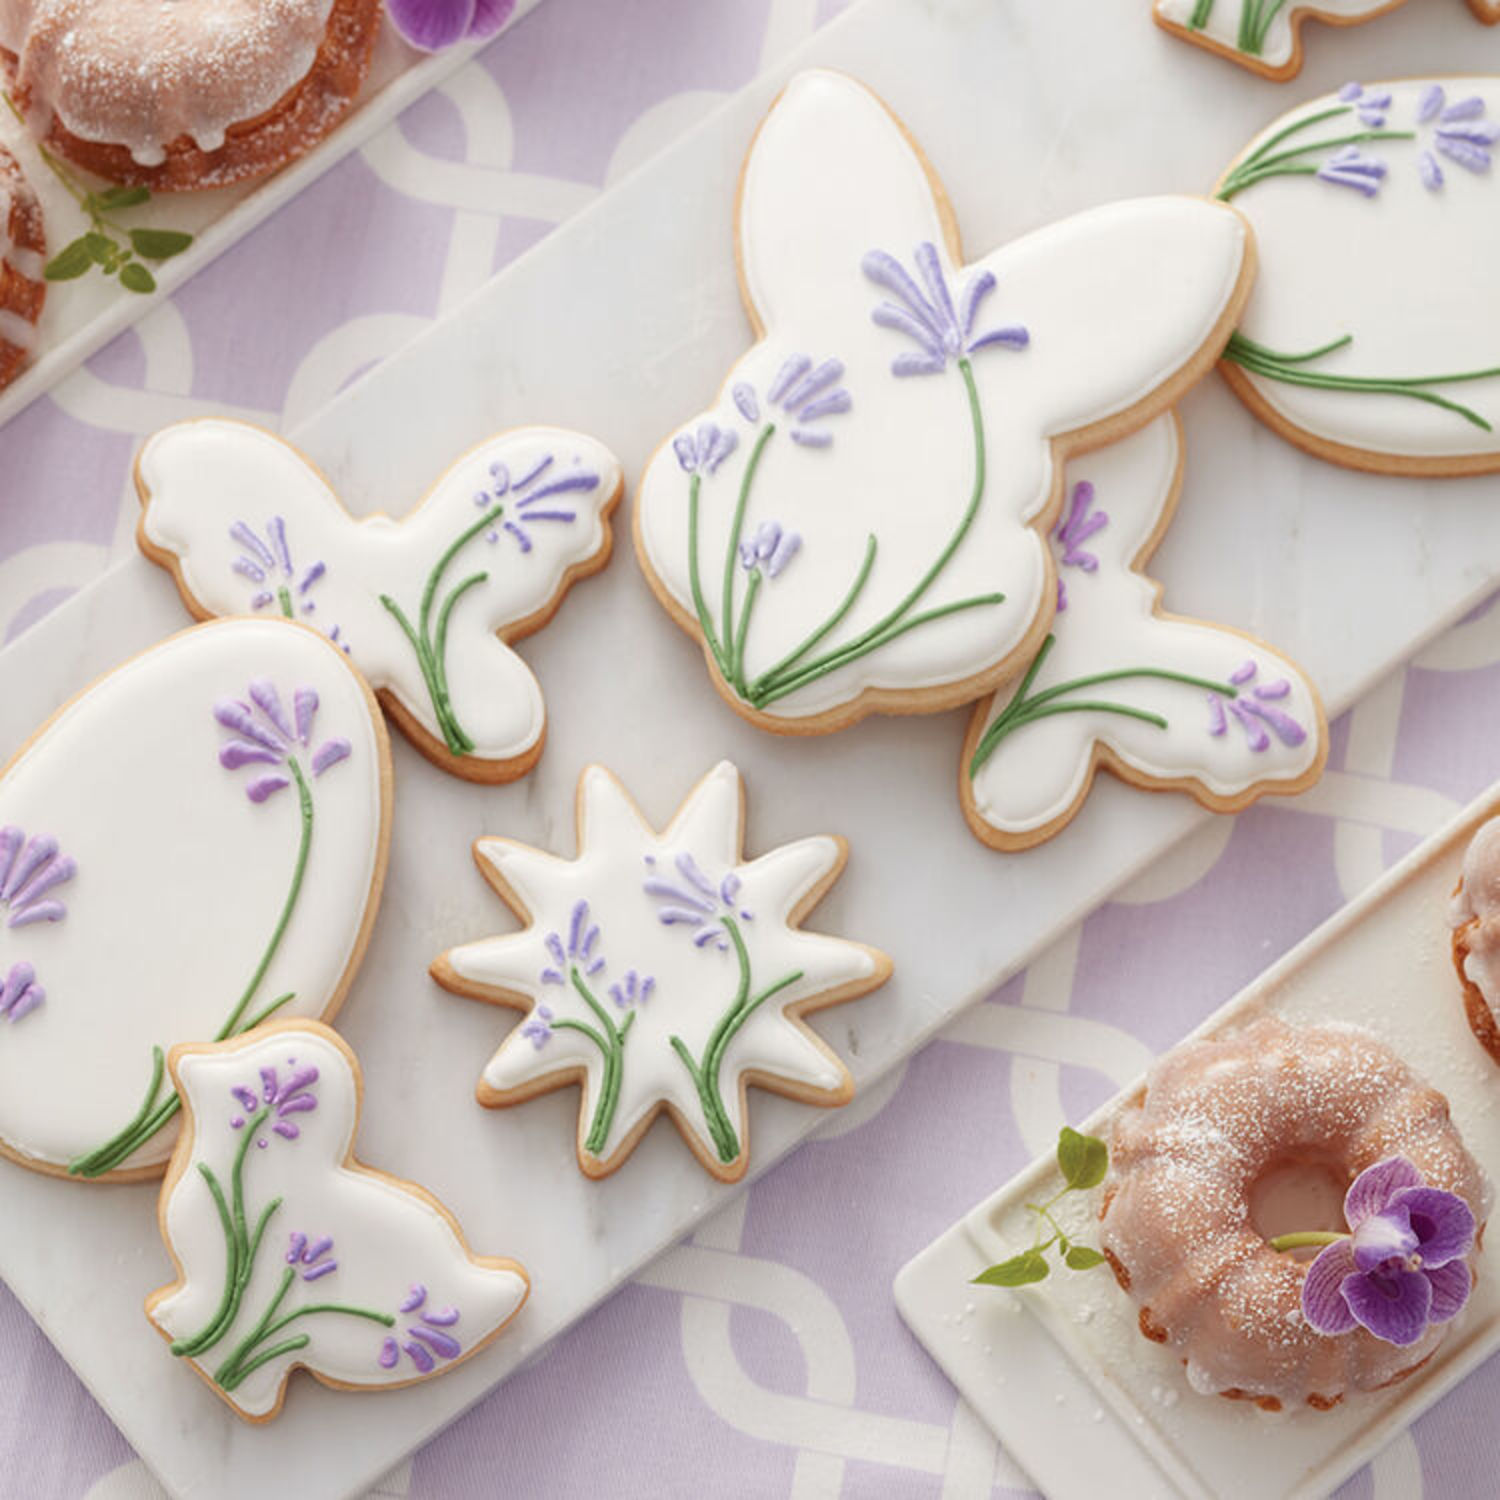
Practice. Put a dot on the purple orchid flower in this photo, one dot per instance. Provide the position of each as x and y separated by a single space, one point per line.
264 734
695 901
941 327
703 451
1402 1265
1460 133
426 1340
281 1097
432 25
312 1257
807 393
1255 708
770 549
532 498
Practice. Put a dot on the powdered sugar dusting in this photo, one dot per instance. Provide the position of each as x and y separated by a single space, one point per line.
145 73
1218 1114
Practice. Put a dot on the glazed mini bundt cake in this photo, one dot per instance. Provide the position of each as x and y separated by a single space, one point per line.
1474 916
1218 1117
23 253
177 94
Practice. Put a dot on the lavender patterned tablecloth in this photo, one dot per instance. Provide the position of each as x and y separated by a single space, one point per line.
763 1357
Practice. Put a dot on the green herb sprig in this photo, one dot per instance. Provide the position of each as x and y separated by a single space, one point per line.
116 249
1083 1160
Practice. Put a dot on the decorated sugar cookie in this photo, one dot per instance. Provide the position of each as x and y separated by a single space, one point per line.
663 971
1161 701
858 522
292 1255
1373 335
194 843
1263 35
427 607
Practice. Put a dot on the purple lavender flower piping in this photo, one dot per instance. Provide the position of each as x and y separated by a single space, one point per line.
1459 132
283 1098
694 901
1401 1268
633 991
928 314
313 1258
1255 709
1079 524
264 734
427 1339
580 950
1352 168
265 561
533 497
703 451
770 549
31 870
806 392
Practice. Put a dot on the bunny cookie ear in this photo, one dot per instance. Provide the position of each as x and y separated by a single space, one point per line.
1127 306
831 173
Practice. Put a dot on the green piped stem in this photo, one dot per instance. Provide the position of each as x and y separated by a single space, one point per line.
153 1116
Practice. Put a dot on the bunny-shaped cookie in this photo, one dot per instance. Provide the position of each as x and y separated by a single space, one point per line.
1161 701
426 606
857 524
289 1253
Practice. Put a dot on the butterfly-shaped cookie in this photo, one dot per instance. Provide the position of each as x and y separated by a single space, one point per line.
858 522
427 607
292 1255
1162 701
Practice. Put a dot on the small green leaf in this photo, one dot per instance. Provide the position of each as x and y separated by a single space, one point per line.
120 197
136 278
1082 1159
1081 1258
159 244
1019 1270
70 262
101 248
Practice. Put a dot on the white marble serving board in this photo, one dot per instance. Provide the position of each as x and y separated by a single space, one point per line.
81 316
621 323
1066 1357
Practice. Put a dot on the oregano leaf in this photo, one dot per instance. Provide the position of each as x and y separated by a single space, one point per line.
1019 1270
136 278
120 197
1082 1258
159 244
101 248
1082 1159
70 262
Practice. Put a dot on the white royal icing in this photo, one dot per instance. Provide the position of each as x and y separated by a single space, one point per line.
220 495
1270 734
665 965
392 1246
1393 248
1235 25
1114 302
178 878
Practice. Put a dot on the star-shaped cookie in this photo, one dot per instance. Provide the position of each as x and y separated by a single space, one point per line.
663 971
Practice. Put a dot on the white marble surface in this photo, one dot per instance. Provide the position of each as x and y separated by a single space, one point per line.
620 324
1031 1361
